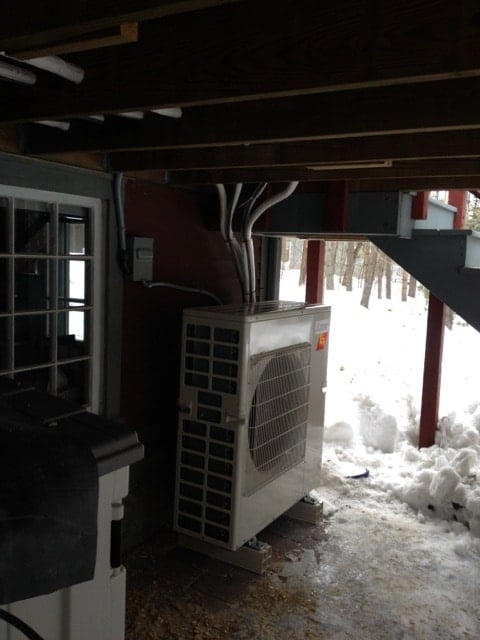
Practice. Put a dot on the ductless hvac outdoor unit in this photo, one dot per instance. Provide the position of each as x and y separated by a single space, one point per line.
252 398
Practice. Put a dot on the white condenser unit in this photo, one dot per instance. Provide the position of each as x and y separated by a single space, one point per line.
251 413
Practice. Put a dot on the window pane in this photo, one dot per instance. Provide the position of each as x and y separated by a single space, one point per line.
73 334
4 285
4 242
73 381
33 227
32 284
73 283
32 340
73 231
38 378
5 343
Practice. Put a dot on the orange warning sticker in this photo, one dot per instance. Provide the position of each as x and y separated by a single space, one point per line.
322 341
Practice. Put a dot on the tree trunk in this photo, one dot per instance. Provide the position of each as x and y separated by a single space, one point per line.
379 275
412 287
370 257
350 263
340 259
303 265
404 285
388 279
331 253
448 317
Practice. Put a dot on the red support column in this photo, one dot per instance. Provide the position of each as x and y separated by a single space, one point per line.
420 205
315 272
459 200
432 372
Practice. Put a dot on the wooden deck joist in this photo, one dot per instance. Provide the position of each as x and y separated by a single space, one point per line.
450 105
254 50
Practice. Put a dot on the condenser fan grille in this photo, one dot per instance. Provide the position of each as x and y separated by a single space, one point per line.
277 428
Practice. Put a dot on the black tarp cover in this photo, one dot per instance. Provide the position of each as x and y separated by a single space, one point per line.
48 510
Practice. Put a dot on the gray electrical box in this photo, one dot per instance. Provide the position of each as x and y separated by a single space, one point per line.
140 258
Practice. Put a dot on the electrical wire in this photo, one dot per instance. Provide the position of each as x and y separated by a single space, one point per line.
120 215
171 285
226 220
248 258
23 627
247 242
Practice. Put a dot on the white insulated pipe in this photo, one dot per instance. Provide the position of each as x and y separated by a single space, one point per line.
16 74
58 67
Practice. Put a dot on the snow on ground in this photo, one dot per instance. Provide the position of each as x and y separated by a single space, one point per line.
374 392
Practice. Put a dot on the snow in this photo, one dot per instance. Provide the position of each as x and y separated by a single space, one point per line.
373 406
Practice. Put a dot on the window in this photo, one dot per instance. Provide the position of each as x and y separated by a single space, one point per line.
50 306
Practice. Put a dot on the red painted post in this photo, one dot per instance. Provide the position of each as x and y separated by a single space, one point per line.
315 272
420 205
432 372
459 200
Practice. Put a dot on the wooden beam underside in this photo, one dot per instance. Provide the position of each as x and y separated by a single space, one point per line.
247 51
110 37
439 167
39 24
444 106
445 144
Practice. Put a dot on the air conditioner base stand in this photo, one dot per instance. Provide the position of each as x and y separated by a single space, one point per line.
254 556
307 510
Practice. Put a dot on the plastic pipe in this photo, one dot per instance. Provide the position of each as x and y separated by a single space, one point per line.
169 112
120 215
59 67
17 74
247 232
56 124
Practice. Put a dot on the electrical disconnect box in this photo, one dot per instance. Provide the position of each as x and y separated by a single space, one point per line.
140 258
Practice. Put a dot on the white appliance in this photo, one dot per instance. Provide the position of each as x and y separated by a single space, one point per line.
251 412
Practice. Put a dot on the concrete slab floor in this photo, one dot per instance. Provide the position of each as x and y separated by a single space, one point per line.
354 575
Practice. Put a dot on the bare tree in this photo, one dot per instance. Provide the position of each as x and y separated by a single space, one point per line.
370 262
412 287
330 257
302 278
379 275
352 251
404 285
388 278
448 317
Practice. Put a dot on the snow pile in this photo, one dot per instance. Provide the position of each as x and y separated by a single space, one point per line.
372 412
441 482
377 428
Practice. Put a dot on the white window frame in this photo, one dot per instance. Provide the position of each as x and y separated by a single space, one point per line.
57 199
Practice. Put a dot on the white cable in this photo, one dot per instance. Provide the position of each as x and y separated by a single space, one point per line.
227 233
247 242
267 204
180 287
222 196
254 197
237 250
248 255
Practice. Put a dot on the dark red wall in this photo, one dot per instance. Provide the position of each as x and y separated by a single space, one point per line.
185 253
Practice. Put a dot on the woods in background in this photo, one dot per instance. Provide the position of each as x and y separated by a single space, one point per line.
350 263
357 264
